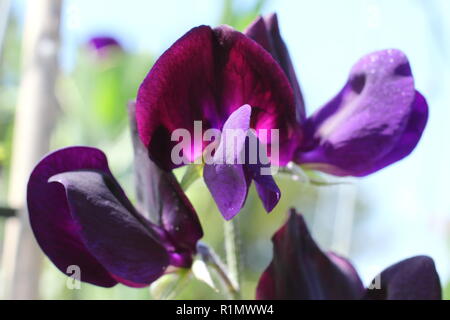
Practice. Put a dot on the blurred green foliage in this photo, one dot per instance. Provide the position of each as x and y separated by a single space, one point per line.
9 82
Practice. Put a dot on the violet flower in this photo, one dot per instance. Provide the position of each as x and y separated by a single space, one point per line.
300 270
209 74
81 216
375 120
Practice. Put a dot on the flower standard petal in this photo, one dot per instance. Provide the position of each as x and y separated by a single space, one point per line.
357 132
205 76
300 270
415 278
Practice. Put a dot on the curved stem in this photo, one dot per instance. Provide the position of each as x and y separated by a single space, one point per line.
212 259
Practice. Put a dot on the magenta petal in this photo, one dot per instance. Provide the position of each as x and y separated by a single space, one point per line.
300 270
206 75
375 120
266 32
411 279
163 201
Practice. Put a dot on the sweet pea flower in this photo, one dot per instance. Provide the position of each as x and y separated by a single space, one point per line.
215 75
225 80
81 217
375 120
300 270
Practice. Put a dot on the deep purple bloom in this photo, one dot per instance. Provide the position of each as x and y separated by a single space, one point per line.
208 74
300 270
374 121
81 216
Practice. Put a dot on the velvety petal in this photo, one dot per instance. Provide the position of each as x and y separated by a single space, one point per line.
161 198
226 177
206 75
348 269
415 278
110 228
361 129
300 270
266 32
50 219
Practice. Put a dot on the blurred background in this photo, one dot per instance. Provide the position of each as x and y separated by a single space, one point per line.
61 91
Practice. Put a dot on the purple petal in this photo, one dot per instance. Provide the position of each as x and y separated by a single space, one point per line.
410 137
260 173
415 278
300 270
375 120
99 43
226 178
163 201
206 75
110 228
50 218
268 191
228 185
266 32
70 236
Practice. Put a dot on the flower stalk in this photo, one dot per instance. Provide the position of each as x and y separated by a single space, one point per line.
233 253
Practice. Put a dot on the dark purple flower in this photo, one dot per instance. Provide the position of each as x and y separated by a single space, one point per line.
81 216
210 74
376 119
300 270
206 76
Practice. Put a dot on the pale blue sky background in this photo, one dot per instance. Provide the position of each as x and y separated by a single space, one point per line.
409 201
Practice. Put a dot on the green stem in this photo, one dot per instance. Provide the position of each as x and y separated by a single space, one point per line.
212 259
233 253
